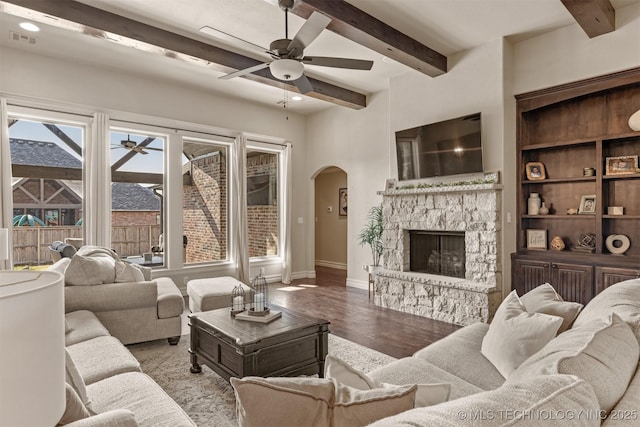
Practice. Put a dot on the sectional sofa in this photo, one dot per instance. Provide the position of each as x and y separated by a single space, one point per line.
541 361
131 305
586 375
105 386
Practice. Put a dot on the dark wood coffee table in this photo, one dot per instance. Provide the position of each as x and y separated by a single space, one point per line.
291 345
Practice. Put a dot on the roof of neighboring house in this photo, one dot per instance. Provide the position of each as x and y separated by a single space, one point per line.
40 153
126 196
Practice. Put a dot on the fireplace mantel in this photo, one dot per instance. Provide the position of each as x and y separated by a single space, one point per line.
469 206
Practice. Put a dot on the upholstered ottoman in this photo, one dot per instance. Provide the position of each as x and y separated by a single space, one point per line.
212 293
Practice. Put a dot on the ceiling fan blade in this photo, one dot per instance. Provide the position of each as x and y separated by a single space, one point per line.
326 61
303 84
139 150
221 35
311 29
245 71
153 148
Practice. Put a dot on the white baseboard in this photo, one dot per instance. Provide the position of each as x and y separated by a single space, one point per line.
360 284
303 275
331 264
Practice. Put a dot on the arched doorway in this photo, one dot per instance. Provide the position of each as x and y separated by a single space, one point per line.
331 210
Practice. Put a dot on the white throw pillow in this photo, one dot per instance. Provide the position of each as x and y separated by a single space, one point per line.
341 371
604 353
90 270
545 299
623 298
515 334
315 402
126 272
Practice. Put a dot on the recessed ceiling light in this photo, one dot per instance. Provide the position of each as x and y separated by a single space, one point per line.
296 98
28 26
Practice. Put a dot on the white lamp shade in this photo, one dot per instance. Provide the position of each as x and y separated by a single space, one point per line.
32 356
286 69
634 121
4 243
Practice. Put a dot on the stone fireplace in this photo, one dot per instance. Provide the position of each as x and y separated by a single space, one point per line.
442 254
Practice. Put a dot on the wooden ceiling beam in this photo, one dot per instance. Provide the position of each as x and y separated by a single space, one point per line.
102 24
596 17
364 29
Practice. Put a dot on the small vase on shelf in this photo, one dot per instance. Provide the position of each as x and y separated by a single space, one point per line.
533 204
543 210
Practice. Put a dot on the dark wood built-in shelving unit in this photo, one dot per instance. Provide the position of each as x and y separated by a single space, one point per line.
568 128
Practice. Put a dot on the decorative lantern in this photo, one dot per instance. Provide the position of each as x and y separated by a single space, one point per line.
260 291
237 300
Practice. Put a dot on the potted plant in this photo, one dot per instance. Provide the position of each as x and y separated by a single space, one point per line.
371 235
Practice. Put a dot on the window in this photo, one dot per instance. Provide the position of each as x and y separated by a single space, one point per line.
137 179
205 200
46 160
263 207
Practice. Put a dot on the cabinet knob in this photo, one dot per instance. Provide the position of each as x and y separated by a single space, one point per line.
554 265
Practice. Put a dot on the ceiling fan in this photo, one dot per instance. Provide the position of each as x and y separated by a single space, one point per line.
131 145
288 54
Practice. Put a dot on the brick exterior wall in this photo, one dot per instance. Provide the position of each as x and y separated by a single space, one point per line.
262 220
204 210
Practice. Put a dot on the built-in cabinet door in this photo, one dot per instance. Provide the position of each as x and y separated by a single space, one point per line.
572 281
528 274
607 276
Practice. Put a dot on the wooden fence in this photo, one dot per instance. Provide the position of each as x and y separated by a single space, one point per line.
31 244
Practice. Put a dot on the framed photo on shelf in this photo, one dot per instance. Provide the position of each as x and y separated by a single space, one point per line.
535 171
536 238
621 165
342 202
587 205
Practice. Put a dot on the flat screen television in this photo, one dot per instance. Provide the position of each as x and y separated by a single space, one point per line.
450 147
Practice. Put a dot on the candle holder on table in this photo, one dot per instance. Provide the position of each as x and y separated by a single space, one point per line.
259 297
237 300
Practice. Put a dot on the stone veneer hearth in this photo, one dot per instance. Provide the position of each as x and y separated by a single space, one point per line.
472 207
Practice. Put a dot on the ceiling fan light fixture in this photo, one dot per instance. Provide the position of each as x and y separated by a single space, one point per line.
286 69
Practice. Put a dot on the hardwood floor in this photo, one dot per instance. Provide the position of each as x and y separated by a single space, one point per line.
355 317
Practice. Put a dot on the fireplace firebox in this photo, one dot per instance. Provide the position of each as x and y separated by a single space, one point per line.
437 252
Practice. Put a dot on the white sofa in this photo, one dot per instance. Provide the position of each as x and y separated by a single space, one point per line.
109 388
572 380
132 306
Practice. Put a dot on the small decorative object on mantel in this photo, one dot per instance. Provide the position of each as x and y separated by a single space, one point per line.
237 300
390 184
535 171
617 244
615 210
572 211
544 210
588 172
557 244
586 243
